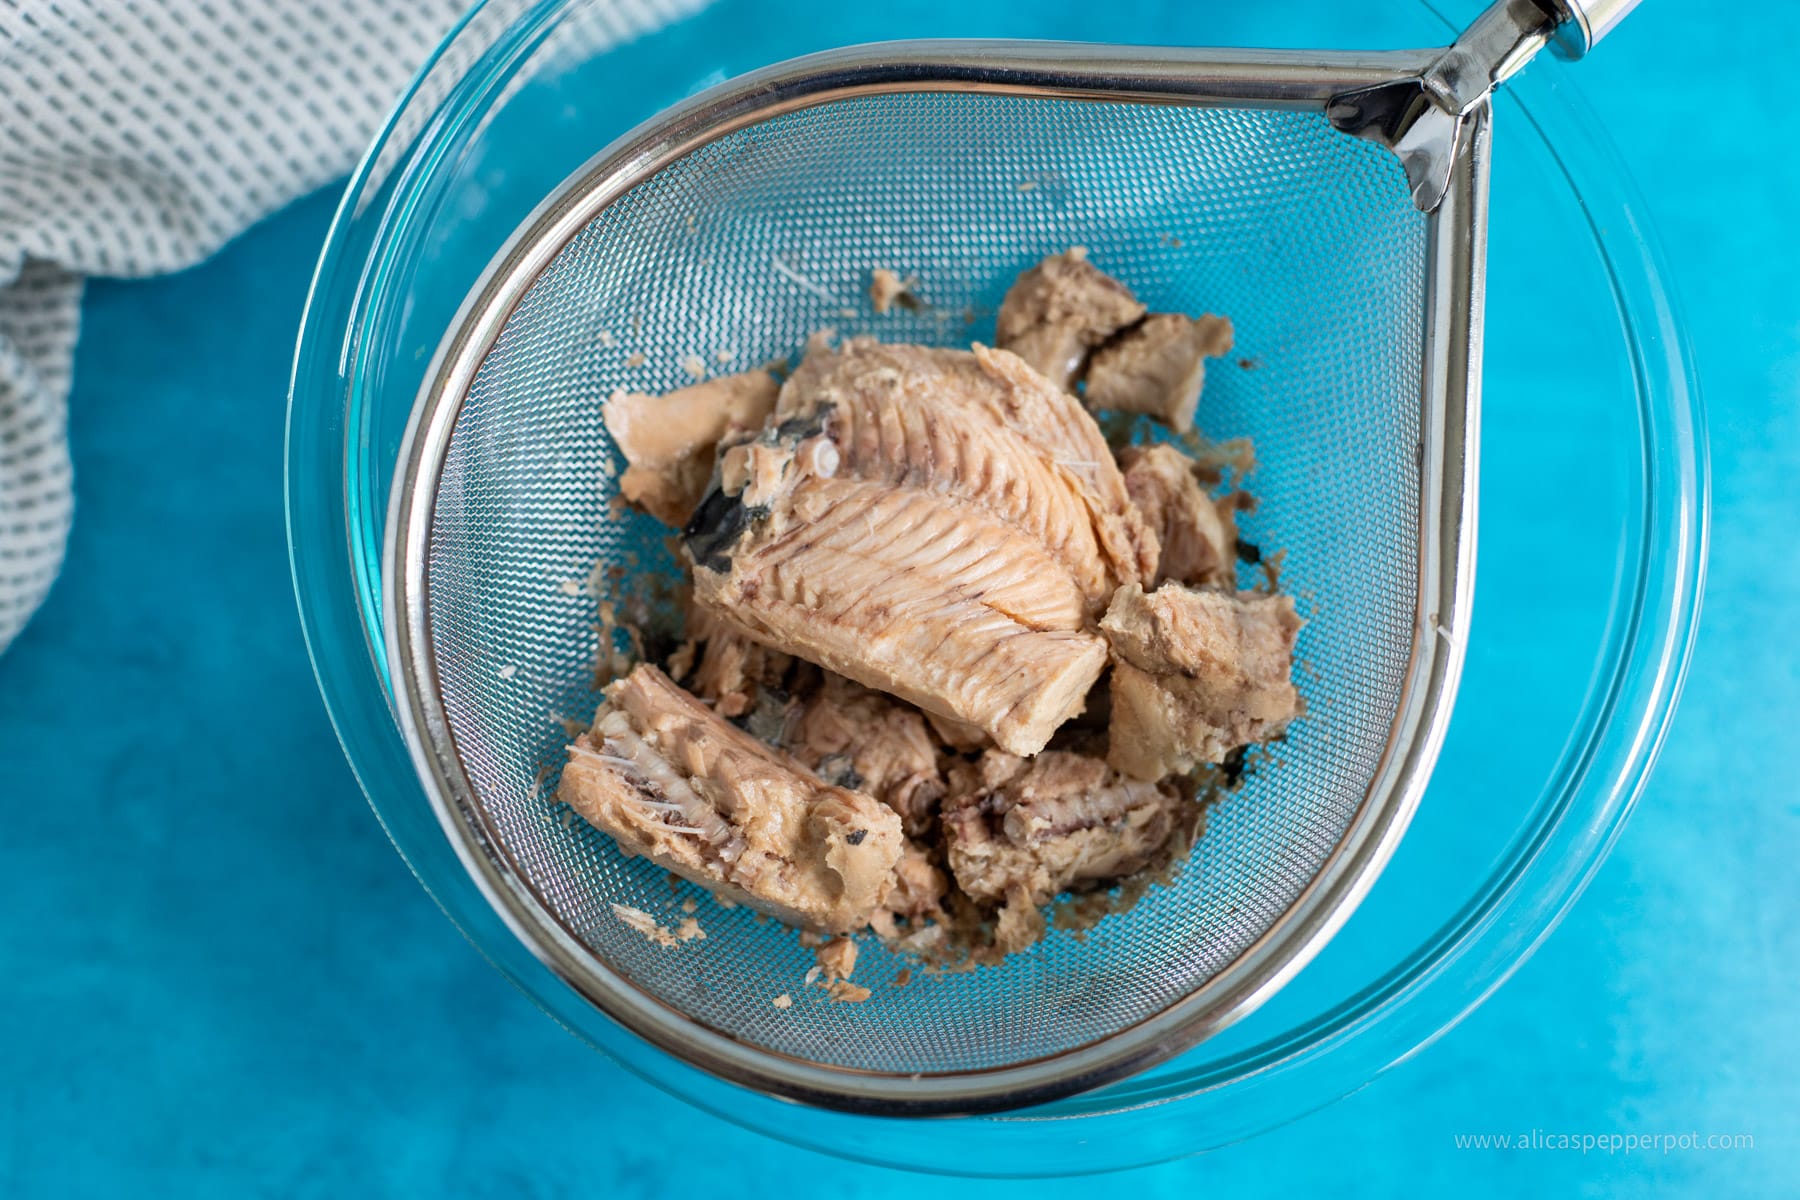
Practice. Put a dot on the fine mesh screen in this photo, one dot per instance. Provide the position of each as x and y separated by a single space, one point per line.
1304 237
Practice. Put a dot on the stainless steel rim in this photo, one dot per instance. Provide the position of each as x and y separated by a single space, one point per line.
1449 395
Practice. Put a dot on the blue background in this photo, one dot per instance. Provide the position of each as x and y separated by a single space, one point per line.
221 980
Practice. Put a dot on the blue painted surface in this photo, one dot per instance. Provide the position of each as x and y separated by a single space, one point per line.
221 981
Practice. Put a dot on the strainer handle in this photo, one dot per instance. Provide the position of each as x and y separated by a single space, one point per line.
1584 23
1422 118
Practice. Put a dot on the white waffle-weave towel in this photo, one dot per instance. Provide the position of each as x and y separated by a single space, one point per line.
136 137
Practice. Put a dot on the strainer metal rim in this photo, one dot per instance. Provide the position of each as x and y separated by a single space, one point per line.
1446 462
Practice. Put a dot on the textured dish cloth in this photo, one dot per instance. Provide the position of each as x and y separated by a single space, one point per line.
136 137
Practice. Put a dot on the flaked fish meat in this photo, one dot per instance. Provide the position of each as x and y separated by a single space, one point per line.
858 738
1197 674
1196 535
1157 367
1058 311
669 441
1032 828
670 780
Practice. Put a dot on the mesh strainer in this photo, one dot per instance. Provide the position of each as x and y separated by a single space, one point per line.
732 228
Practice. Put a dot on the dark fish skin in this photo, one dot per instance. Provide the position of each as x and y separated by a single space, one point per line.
719 519
717 525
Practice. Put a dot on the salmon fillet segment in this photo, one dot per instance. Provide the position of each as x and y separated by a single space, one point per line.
1158 367
1196 675
668 441
1019 829
671 781
1058 311
931 601
940 525
983 427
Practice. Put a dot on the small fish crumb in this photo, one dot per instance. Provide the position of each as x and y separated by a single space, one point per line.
887 289
725 354
783 1001
570 587
636 358
812 975
508 671
607 339
1025 185
688 905
694 365
837 958
845 992
646 924
904 977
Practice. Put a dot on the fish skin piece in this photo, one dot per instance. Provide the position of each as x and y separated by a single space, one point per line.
671 781
1196 674
1033 828
929 599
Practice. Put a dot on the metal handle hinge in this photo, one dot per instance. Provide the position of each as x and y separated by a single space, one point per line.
1423 119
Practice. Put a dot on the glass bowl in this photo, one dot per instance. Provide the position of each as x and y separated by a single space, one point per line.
1591 547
